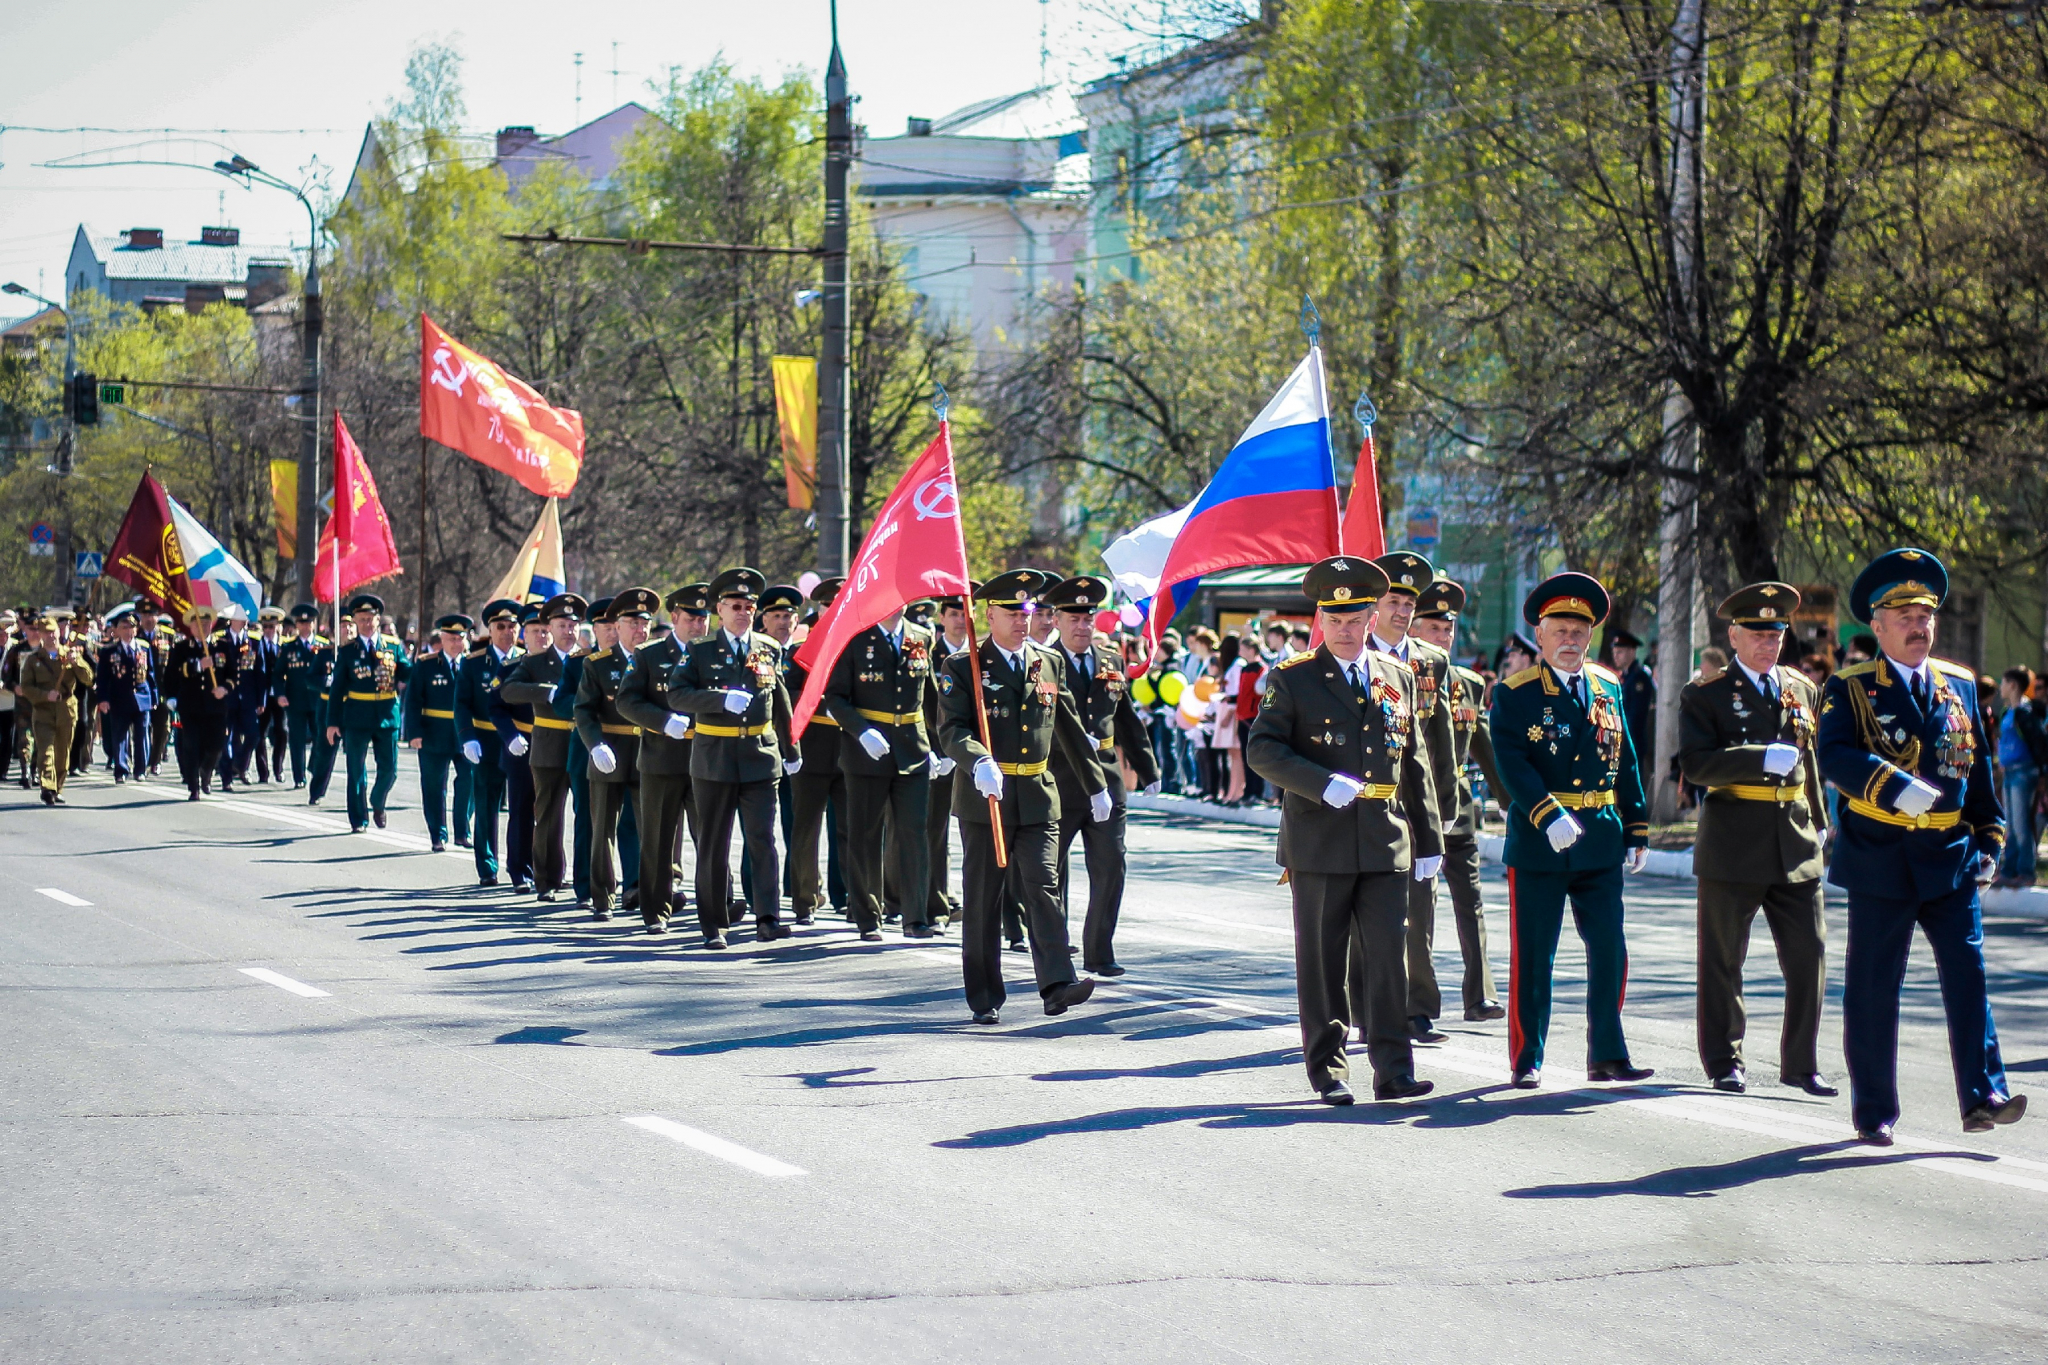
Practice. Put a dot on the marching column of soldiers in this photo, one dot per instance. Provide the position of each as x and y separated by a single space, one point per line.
1028 744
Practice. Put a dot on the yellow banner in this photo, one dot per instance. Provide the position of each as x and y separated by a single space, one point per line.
796 406
284 493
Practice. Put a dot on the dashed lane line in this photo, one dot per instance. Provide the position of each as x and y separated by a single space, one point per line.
283 982
62 897
699 1140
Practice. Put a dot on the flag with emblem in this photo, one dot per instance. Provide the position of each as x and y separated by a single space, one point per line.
355 544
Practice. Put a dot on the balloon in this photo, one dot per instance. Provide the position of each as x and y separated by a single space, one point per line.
807 581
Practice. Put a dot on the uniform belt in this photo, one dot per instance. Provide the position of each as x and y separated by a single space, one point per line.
1582 800
822 719
1022 769
522 727
1754 791
373 696
892 717
1934 819
432 714
1105 746
1380 791
733 731
484 725
550 723
620 729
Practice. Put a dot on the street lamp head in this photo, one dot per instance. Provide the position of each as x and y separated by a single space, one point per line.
235 165
12 288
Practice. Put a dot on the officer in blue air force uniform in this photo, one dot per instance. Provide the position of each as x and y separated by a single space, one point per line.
1575 819
430 730
1920 832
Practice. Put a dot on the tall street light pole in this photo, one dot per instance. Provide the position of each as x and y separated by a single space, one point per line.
834 426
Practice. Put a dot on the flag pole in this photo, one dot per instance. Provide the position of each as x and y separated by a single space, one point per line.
995 803
421 639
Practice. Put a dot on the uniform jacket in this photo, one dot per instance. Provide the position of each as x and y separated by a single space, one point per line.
1872 737
477 679
1723 728
1311 725
252 674
300 673
598 718
1030 712
363 694
1433 706
41 673
189 682
642 701
1102 697
125 678
535 683
876 687
725 746
1473 748
819 743
1546 747
430 706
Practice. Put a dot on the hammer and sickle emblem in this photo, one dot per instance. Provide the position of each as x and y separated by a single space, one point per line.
936 498
448 376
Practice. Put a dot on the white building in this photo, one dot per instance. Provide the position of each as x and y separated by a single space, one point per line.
143 268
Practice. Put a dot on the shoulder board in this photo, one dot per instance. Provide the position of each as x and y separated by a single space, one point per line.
1296 661
1428 650
1468 675
604 653
1953 669
1602 672
477 653
1525 677
1396 661
1857 670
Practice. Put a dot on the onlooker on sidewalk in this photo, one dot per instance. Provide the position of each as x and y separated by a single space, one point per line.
2022 756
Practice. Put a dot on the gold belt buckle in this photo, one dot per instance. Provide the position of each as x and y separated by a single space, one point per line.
1920 821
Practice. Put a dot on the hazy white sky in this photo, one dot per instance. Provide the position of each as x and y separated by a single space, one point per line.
297 82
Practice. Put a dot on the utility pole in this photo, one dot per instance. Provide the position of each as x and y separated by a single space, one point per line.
833 425
309 434
1678 587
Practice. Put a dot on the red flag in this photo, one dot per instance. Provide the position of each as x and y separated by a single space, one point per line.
1364 531
914 549
470 404
145 554
358 525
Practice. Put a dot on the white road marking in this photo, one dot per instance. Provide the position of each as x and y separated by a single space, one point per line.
61 897
322 824
282 982
715 1146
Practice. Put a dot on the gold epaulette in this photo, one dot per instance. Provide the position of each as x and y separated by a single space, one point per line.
1857 670
1953 669
593 658
1523 678
478 652
1600 671
1296 661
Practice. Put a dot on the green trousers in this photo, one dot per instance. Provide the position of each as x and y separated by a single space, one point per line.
358 745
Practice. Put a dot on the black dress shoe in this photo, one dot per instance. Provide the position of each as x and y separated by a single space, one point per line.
1480 1014
1017 945
1816 1084
1880 1136
49 797
1419 1030
358 829
1401 1088
1067 994
806 918
1108 969
659 926
1993 1112
917 931
767 931
486 881
600 912
193 797
440 846
377 818
461 842
1734 1082
987 1017
629 899
1618 1071
1528 1078
871 936
1338 1094
893 917
521 887
716 941
544 895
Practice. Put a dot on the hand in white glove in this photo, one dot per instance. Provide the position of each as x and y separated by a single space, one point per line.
1425 868
737 701
1633 860
472 751
1100 807
1780 759
876 744
554 692
677 726
988 778
943 767
792 766
1341 791
1918 797
1152 788
603 759
517 746
1987 868
1564 831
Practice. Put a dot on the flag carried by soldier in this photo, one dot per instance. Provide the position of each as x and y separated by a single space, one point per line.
536 573
146 554
356 544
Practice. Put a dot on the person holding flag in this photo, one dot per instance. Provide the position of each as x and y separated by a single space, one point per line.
201 673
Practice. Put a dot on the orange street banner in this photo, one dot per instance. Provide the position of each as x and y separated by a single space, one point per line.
284 497
469 403
796 407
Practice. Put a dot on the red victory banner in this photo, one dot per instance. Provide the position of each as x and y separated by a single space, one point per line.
470 404
1364 531
146 555
356 544
913 549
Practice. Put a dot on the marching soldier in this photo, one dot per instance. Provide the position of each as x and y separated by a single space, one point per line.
157 636
1921 829
534 683
731 685
1095 674
302 665
1030 709
515 729
429 729
949 639
614 745
603 637
270 736
201 673
245 699
320 765
775 616
664 757
124 693
1575 819
71 639
818 791
362 709
48 675
1338 733
1436 622
477 679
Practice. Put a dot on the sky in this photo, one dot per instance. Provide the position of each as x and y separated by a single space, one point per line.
291 86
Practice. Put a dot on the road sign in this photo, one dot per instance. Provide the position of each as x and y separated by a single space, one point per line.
42 541
87 563
113 393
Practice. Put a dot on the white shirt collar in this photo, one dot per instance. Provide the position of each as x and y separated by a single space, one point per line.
1567 678
1399 651
504 655
1014 656
1907 675
1757 679
732 641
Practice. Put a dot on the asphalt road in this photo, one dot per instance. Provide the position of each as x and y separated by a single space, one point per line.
275 1092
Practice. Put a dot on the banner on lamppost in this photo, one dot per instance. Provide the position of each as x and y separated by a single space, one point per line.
796 410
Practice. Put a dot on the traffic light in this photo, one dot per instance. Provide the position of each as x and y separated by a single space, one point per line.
85 399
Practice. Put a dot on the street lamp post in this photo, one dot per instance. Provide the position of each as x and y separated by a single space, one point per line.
70 338
61 465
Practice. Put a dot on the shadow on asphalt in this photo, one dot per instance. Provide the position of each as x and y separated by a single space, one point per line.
1704 1182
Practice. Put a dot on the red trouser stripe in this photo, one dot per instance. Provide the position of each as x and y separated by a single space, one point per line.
1514 981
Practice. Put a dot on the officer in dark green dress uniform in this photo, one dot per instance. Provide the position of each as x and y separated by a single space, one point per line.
949 637
730 683
818 791
1359 823
320 761
1436 622
535 682
429 729
1575 819
564 708
302 664
1030 709
614 745
1902 738
1747 737
477 679
362 709
664 758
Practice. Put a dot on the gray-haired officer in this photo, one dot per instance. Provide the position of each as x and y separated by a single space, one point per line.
477 679
1359 823
362 709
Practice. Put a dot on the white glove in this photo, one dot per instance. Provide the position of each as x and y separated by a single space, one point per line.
737 701
1987 868
554 692
603 759
1918 797
944 766
1780 759
792 766
1341 791
1152 787
472 751
875 743
1100 807
1564 831
1425 868
988 778
677 726
517 746
1634 859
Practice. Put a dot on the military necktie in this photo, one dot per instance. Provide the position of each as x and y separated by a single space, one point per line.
1919 690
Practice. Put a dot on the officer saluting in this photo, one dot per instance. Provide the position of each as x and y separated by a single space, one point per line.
1575 818
1337 732
1747 737
1900 736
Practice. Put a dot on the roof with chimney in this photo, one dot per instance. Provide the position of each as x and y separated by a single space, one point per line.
217 256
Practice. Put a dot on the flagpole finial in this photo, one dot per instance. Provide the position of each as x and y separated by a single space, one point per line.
942 402
1364 412
1311 321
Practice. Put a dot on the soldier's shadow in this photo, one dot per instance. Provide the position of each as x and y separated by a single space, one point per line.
1704 1182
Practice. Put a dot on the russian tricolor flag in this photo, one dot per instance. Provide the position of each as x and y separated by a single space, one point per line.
1273 501
536 573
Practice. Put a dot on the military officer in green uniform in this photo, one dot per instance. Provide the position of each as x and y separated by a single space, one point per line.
730 684
614 745
1748 737
477 679
948 639
48 675
1030 710
536 681
1337 732
429 729
818 791
302 665
664 758
362 709
1575 819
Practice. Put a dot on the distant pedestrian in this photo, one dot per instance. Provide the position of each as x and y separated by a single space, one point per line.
2022 758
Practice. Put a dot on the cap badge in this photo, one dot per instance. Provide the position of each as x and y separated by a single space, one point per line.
1767 612
1341 593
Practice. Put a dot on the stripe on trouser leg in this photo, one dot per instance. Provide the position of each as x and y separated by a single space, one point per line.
1514 978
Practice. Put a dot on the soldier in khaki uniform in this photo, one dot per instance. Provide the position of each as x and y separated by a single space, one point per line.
535 681
614 745
1748 738
50 674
